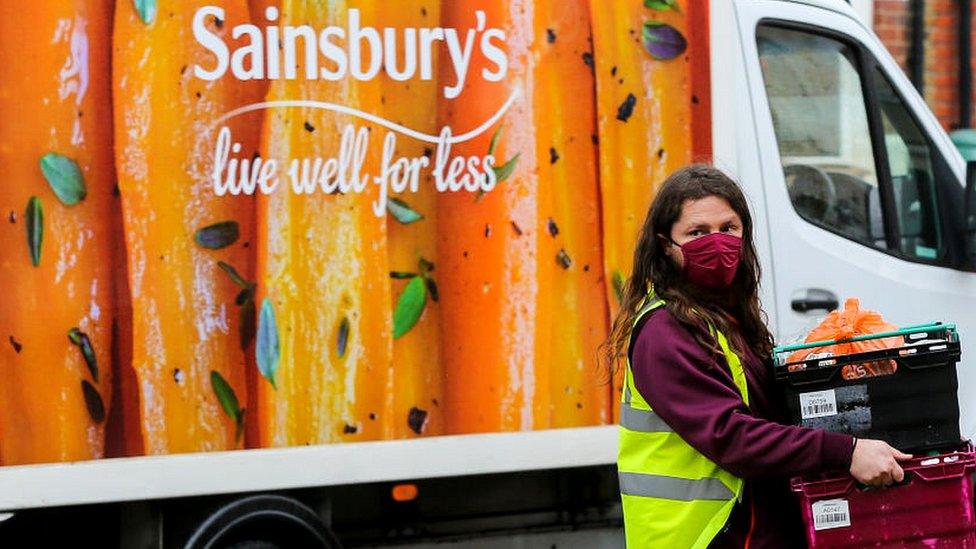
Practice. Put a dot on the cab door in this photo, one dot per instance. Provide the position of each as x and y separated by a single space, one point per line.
863 191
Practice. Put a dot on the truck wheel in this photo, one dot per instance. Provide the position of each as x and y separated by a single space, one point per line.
263 522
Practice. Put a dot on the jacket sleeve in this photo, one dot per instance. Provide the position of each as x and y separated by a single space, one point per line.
695 395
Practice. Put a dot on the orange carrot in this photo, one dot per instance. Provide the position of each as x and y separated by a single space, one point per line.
56 258
496 260
186 324
566 107
644 120
323 274
417 377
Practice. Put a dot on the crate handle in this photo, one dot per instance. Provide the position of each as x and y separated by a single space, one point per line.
902 332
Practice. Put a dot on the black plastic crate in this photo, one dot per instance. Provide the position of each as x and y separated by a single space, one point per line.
914 409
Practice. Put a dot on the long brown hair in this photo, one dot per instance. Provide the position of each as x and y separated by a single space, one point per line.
694 307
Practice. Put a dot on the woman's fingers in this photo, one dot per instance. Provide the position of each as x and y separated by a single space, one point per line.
897 473
899 455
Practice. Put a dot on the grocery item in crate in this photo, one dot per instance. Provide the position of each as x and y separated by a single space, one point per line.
842 325
932 508
915 408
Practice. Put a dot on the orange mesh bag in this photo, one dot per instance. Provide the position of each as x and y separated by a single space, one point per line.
841 325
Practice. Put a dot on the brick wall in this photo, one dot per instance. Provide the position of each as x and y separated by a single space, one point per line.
940 87
891 23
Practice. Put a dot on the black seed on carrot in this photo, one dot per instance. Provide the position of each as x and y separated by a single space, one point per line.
626 108
660 153
487 230
15 344
349 429
432 289
550 36
613 71
12 217
553 229
588 59
553 155
516 228
309 127
417 419
562 258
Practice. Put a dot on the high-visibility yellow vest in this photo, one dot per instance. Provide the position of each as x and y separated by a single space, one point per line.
672 495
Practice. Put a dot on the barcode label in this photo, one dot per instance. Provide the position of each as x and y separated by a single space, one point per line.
831 513
818 404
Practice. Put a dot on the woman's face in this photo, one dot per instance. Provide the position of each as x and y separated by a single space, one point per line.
699 218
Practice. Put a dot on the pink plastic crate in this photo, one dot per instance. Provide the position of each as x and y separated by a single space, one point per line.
933 508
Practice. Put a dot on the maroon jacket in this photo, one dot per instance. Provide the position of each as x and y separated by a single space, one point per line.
695 395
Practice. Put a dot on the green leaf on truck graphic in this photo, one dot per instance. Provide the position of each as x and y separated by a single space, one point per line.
505 170
81 339
64 177
266 349
233 274
618 286
409 306
93 401
661 5
218 235
402 212
146 10
35 228
342 337
494 141
228 401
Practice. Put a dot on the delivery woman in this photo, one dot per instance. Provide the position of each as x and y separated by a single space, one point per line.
703 461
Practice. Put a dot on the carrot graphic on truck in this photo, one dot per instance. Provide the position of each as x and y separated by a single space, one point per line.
56 248
186 344
323 345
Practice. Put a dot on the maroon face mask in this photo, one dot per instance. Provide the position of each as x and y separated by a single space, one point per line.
712 260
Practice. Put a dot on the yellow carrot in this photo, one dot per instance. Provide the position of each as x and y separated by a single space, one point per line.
323 272
186 323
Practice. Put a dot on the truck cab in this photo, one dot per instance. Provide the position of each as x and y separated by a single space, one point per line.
857 189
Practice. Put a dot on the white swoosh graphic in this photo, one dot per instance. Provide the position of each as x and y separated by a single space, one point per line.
342 109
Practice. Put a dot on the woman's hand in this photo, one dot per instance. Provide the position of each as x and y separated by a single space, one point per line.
876 464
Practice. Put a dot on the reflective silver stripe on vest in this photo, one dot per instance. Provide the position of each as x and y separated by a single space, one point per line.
681 489
644 421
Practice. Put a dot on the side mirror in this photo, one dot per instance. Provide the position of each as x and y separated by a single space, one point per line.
970 213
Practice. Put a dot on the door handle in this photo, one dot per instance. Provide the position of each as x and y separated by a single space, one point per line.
814 299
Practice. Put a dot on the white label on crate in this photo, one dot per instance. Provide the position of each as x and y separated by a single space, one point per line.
831 513
818 404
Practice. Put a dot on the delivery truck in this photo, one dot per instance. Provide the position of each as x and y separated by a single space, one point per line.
289 273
